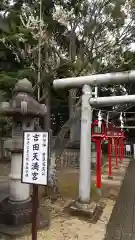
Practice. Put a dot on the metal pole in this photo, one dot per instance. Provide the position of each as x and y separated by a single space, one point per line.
130 127
110 101
115 111
85 146
130 119
96 80
34 211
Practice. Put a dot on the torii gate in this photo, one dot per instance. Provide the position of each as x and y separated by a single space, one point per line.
86 82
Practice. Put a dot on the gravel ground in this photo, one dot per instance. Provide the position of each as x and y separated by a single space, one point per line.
64 226
63 229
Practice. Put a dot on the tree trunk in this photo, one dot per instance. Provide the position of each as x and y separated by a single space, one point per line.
51 190
75 128
47 120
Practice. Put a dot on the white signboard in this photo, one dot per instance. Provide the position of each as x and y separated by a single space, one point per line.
128 148
35 157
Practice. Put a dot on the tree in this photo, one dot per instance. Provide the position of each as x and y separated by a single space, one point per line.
77 33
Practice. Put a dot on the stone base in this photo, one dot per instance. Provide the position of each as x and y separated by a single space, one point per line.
83 209
15 214
18 231
15 219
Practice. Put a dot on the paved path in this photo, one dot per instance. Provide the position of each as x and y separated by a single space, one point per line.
122 222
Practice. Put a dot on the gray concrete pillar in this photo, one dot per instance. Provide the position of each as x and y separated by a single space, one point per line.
85 146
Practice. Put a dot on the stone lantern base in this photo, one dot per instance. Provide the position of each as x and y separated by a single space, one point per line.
15 219
12 213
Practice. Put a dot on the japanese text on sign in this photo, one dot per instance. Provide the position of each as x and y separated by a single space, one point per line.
35 156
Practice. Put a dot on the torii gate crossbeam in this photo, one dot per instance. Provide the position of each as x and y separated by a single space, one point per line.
96 80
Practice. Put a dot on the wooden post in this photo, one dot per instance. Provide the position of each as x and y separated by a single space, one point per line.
34 211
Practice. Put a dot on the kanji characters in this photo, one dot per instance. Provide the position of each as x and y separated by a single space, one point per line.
36 136
35 166
34 175
36 147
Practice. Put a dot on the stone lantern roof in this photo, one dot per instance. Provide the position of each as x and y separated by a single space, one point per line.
23 102
23 86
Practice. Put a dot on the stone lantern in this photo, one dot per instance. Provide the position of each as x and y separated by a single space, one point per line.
23 108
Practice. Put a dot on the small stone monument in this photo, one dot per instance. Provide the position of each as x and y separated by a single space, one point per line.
16 210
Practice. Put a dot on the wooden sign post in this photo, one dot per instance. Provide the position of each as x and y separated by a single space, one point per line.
34 168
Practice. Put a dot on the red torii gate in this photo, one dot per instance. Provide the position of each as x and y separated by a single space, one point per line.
112 134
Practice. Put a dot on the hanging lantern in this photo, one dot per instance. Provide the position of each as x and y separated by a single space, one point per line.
98 131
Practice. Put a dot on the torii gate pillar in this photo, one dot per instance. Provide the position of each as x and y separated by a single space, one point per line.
83 205
85 146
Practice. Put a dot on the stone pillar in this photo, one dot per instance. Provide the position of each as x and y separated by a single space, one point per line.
83 205
23 108
85 146
18 191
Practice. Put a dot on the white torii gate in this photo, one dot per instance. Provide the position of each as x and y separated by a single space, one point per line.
86 82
